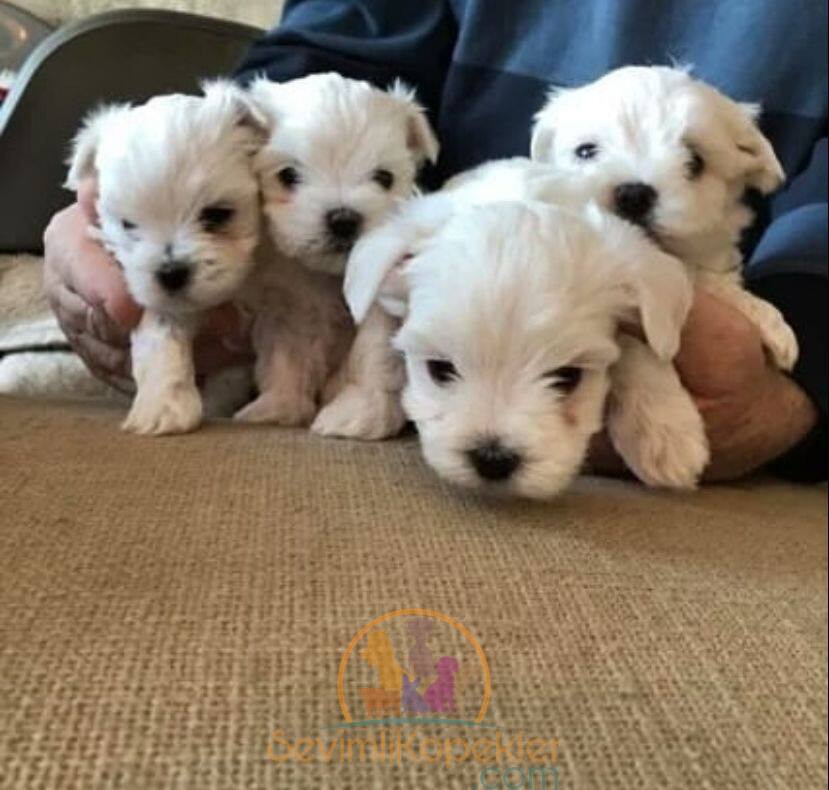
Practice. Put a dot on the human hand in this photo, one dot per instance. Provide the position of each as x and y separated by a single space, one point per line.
753 413
89 297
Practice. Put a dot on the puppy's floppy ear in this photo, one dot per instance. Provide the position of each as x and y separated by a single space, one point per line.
541 147
231 100
422 141
758 162
264 95
654 284
85 145
375 272
664 295
376 268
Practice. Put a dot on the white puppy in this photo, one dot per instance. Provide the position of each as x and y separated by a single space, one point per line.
510 316
674 156
660 433
341 155
179 208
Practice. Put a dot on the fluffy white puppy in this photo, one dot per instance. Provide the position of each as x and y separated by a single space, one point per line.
341 155
675 156
510 314
179 208
654 423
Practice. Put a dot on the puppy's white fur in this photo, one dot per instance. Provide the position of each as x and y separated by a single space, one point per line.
336 145
511 293
697 149
160 167
301 333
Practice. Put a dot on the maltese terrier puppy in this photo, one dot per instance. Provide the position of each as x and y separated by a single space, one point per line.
340 156
510 315
179 208
652 420
674 156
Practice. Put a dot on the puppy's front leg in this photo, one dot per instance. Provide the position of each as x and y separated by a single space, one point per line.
167 400
778 337
653 421
290 372
367 405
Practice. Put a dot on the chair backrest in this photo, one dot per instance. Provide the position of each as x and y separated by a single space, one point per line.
20 33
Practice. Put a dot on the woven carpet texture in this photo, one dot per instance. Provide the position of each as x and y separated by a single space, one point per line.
174 614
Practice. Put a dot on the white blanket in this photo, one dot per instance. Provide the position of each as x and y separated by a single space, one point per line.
35 360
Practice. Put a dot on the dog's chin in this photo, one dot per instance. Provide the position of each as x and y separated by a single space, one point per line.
658 234
524 485
330 261
540 482
648 225
673 235
543 484
179 304
319 257
194 299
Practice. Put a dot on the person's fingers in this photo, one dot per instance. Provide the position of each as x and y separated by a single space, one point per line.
101 358
68 307
97 279
721 350
100 325
123 385
75 314
87 199
86 268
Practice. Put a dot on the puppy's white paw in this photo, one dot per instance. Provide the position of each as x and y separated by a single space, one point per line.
163 412
663 443
779 339
279 409
360 413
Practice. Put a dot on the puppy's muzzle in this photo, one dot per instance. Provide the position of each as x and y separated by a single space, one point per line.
492 461
174 276
634 202
344 226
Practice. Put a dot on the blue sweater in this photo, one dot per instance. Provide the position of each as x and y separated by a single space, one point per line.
483 67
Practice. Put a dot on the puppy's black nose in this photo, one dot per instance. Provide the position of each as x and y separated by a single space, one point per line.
173 276
344 224
493 461
634 201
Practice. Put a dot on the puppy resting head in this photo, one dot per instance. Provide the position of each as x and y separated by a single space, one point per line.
178 200
660 149
511 313
341 155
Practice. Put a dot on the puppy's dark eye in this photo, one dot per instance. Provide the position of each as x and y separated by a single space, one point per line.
385 178
289 177
214 218
564 380
695 166
587 151
442 371
127 225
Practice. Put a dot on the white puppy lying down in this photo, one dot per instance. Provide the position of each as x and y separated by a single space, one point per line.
340 156
510 316
653 421
674 156
179 209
